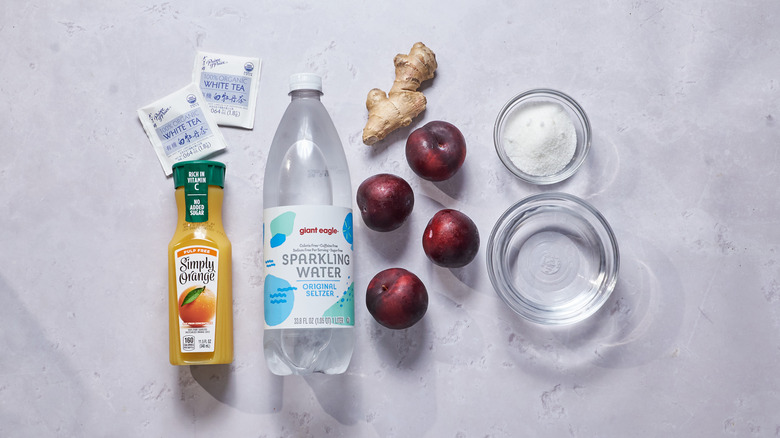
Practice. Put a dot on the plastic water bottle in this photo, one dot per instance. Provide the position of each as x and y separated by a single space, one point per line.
307 240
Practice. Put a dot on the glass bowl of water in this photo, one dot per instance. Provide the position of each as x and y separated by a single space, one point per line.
553 259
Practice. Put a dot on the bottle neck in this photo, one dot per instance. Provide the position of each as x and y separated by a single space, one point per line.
305 94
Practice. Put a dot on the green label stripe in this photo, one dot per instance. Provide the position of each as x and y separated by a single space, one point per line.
196 194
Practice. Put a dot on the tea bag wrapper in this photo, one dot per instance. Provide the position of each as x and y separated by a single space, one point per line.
229 84
180 127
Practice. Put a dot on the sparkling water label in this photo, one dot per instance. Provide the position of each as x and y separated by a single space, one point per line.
308 267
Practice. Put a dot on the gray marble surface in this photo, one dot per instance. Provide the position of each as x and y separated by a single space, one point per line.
683 101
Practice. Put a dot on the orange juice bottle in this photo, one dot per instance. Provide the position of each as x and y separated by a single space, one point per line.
200 298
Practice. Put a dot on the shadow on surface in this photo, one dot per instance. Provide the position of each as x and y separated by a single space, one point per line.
402 348
636 325
392 244
219 382
338 395
453 186
33 364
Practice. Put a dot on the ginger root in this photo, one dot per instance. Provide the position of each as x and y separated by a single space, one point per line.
388 112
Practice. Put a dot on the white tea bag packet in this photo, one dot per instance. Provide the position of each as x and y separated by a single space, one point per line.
229 84
180 127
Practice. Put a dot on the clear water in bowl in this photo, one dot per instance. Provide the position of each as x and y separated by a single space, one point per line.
554 262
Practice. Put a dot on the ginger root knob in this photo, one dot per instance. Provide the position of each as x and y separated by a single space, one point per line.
388 112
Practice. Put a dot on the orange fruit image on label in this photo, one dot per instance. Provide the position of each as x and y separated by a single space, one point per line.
197 306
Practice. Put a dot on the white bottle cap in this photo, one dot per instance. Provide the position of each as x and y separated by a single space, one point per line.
305 81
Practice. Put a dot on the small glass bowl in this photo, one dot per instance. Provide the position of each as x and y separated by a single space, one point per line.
575 113
553 259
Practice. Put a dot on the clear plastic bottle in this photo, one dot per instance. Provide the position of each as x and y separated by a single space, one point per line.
307 240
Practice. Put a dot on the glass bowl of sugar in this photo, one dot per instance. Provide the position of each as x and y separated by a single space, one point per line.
553 259
542 136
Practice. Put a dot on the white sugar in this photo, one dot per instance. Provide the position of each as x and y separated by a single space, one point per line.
540 138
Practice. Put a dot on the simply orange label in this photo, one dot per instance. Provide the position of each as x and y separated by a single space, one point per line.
196 286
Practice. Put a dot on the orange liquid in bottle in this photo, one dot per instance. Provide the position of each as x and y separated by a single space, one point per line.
200 270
